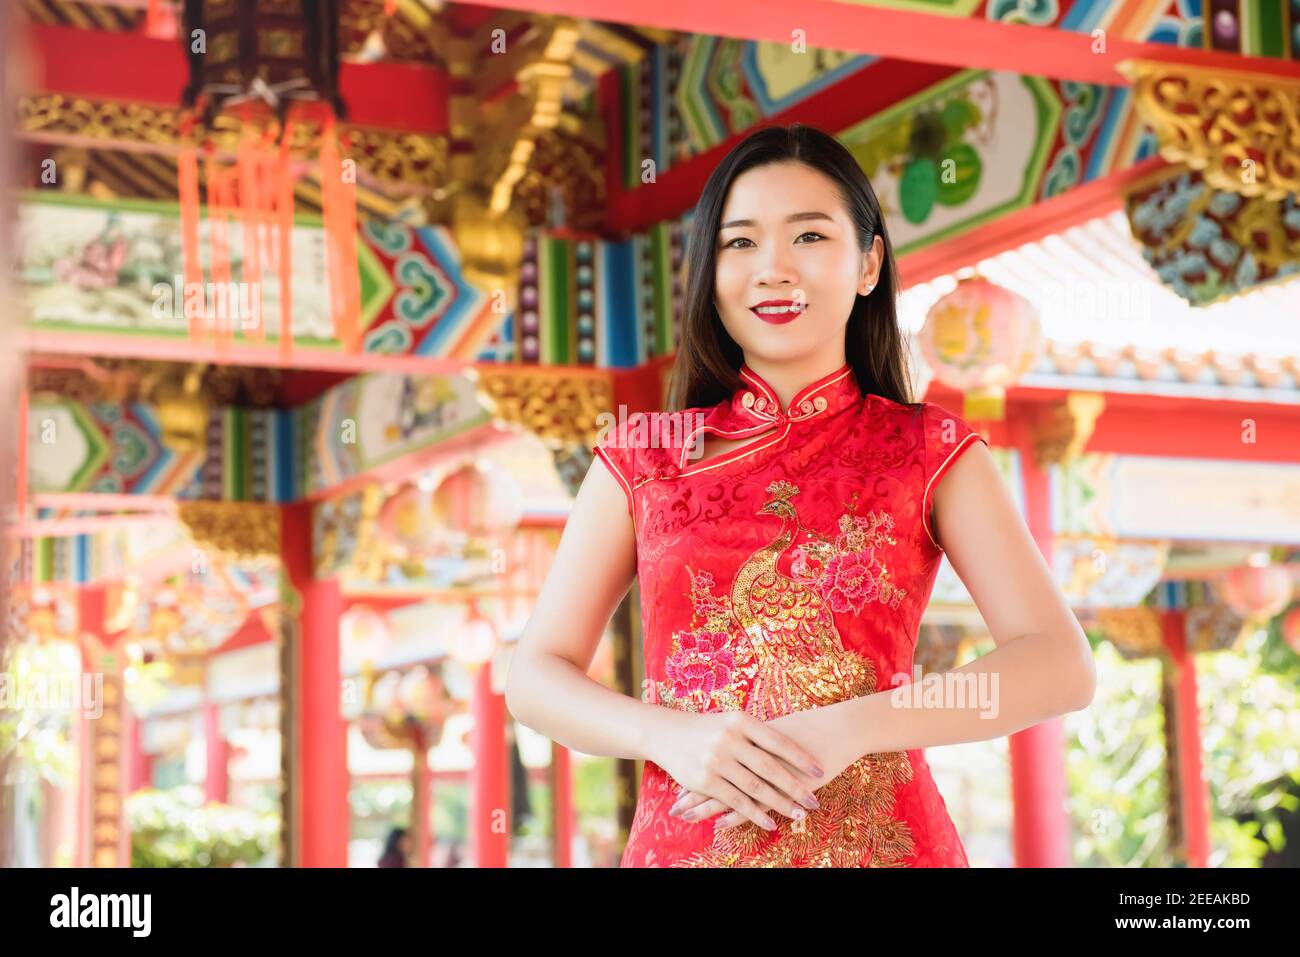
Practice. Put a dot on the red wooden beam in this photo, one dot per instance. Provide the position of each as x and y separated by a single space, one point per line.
136 68
181 349
971 42
1163 425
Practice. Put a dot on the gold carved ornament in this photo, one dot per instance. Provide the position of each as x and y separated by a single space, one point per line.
561 410
1240 129
1060 436
387 156
237 529
1135 632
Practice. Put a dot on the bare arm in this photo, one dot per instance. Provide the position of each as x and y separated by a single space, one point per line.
548 687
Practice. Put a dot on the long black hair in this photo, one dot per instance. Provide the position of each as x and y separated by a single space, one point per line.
706 369
393 856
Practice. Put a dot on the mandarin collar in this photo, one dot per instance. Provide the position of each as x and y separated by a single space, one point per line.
756 401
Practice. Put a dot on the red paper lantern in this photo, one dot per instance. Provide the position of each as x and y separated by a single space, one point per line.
1257 592
407 519
474 640
979 339
479 499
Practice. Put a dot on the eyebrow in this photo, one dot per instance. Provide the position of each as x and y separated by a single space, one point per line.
794 218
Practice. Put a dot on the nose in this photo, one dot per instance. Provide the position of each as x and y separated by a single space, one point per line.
777 269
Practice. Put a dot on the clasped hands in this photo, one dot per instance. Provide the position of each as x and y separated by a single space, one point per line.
732 761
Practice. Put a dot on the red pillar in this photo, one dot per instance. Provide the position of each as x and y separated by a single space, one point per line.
1193 791
490 776
1040 819
139 763
321 761
104 839
562 804
426 853
421 830
216 783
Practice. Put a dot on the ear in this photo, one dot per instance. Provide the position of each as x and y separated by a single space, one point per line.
866 283
869 269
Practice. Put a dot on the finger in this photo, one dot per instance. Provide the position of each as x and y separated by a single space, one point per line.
730 820
782 788
706 810
763 770
688 800
728 792
784 747
700 807
711 807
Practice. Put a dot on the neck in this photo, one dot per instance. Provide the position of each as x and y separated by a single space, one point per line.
788 377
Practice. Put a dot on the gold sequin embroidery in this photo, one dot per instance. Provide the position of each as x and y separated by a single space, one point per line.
771 647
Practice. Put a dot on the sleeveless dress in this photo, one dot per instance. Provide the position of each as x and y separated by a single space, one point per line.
788 573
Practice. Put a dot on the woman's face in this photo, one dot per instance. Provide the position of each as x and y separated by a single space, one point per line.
786 238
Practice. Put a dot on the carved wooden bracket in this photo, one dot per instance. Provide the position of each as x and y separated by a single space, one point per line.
241 529
559 408
1242 130
1061 435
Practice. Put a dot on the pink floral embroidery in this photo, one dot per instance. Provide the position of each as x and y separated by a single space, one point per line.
851 575
851 581
702 663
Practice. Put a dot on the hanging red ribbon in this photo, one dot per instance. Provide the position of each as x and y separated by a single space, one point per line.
251 215
338 208
257 192
284 220
218 207
187 177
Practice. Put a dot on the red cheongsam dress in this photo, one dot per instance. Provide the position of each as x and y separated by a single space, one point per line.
787 573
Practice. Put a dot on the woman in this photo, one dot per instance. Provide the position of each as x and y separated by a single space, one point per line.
397 849
786 531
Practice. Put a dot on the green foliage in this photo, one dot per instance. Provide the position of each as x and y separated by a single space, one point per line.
593 789
173 828
37 739
1115 767
1249 706
1250 720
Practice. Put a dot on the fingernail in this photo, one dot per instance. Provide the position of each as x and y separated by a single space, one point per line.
769 824
810 801
673 811
689 815
817 772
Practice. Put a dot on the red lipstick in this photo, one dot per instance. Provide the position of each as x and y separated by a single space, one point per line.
779 311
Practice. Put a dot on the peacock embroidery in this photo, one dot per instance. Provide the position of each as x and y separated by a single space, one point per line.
770 646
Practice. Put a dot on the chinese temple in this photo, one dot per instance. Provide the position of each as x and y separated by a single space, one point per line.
319 303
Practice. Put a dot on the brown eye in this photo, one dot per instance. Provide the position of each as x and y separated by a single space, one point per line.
738 239
810 233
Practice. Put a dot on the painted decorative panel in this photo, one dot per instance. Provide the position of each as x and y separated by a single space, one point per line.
1154 497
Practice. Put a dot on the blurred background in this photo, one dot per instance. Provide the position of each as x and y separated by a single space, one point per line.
314 307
